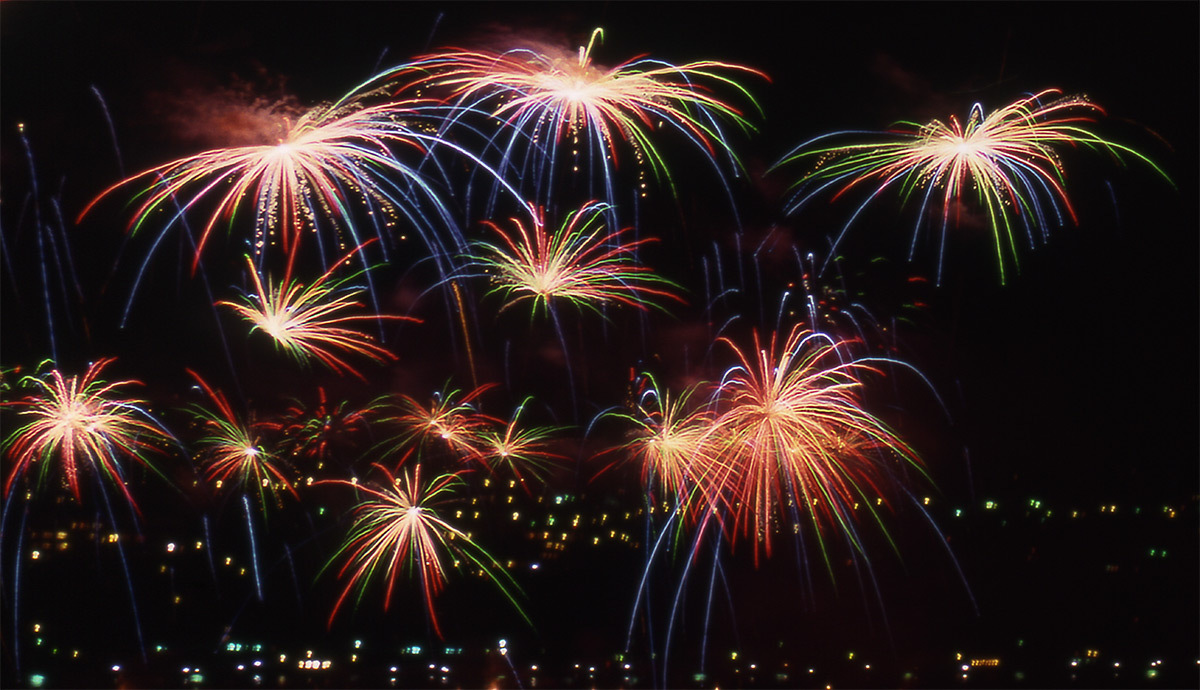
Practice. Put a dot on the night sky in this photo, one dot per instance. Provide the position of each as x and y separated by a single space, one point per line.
1073 384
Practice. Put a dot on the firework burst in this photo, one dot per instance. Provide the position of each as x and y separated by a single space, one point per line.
554 103
793 436
331 167
232 452
579 263
81 424
449 422
325 431
668 439
1009 158
398 531
308 322
520 450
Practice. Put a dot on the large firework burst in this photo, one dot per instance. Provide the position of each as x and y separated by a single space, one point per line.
1007 160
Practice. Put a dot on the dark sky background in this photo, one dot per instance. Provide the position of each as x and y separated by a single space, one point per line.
1076 381
1097 333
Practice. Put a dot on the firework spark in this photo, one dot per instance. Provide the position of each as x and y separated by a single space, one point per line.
1009 158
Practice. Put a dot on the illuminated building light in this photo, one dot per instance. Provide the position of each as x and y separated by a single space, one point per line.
36 680
199 545
37 627
35 555
116 667
985 662
171 547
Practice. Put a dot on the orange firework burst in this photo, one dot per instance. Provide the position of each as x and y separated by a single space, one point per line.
308 322
793 436
669 440
79 424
